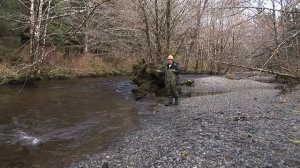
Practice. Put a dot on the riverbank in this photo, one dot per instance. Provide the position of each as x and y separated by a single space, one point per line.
60 68
235 123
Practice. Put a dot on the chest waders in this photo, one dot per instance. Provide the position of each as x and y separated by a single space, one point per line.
170 81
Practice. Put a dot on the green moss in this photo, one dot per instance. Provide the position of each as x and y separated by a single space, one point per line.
295 141
61 76
143 88
21 80
188 82
296 111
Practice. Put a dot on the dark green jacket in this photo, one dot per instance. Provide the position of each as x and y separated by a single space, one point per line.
174 67
169 69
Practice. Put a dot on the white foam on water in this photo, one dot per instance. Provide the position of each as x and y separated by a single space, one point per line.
31 139
27 139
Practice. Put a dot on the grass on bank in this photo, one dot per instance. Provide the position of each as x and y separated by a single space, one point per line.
59 66
88 65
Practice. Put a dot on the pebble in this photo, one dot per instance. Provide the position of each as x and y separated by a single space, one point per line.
251 130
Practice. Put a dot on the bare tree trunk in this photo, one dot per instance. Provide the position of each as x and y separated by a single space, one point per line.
32 29
194 39
275 29
168 25
157 32
147 30
86 42
38 29
46 28
36 19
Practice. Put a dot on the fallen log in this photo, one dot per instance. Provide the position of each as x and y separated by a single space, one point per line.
262 70
149 78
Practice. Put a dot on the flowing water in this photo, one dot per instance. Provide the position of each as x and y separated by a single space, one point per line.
53 122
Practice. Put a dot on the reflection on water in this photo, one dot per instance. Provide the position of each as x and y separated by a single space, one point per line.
49 124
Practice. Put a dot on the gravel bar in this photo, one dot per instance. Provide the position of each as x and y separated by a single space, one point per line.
248 124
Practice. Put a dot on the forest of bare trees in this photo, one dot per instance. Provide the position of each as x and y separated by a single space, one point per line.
203 35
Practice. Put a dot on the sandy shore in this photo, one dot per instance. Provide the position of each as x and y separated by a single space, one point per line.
237 123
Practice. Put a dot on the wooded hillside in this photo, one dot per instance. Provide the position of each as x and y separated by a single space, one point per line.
93 37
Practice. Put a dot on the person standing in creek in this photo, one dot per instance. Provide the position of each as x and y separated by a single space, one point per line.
171 76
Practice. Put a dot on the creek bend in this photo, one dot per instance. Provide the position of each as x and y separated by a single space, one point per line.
53 122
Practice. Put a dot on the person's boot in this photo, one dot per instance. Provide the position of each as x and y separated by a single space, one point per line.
176 101
170 102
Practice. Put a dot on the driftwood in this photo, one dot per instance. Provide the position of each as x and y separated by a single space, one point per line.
149 78
296 77
146 79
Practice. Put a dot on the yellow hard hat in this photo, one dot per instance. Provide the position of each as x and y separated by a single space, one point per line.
170 57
